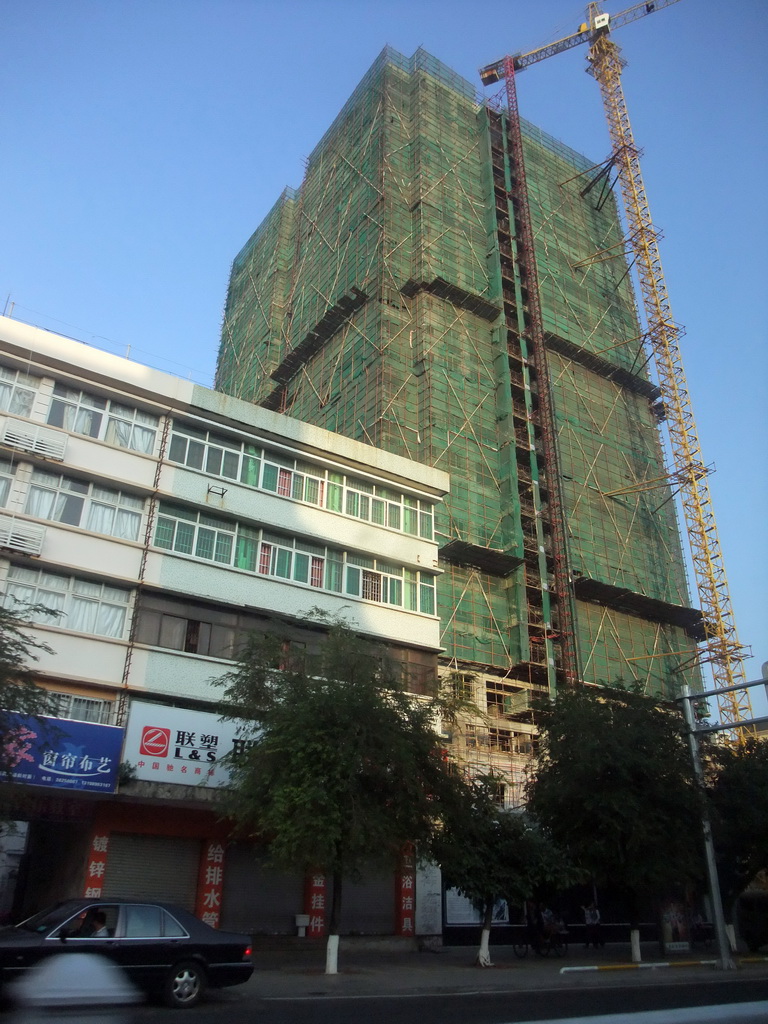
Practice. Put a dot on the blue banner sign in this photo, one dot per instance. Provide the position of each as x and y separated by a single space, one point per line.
61 753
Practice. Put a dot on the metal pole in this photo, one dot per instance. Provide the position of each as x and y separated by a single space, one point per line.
724 946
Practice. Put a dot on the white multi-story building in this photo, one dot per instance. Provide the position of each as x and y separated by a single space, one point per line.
152 523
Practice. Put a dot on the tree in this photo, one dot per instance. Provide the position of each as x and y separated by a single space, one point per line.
343 767
18 690
737 786
613 783
489 854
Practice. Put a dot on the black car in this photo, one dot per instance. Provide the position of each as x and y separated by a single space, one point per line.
164 949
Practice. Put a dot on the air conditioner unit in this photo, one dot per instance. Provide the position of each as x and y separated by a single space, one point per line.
20 535
30 437
35 438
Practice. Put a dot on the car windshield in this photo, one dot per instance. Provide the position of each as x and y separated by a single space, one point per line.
48 919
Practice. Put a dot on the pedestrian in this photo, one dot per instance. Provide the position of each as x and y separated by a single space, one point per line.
592 926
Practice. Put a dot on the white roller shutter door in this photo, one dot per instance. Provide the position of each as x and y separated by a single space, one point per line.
257 898
152 868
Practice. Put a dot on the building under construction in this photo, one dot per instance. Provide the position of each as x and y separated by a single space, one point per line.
393 298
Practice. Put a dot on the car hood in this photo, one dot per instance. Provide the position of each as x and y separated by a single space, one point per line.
19 937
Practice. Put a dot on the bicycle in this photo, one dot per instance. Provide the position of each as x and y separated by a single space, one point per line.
555 943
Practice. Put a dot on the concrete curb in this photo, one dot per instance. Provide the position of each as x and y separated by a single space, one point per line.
640 966
663 963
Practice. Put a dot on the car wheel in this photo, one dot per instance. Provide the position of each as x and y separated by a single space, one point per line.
184 985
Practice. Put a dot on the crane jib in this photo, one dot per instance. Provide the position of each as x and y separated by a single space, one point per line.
598 24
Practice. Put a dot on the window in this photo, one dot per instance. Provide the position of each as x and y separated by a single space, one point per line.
462 685
189 532
427 594
61 499
217 456
83 606
299 481
142 922
380 505
191 627
371 588
101 418
292 559
171 927
88 926
84 709
292 479
7 471
386 583
500 739
17 391
195 533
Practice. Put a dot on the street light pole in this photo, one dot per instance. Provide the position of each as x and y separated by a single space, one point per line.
723 945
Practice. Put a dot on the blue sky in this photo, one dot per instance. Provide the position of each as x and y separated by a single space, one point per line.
144 140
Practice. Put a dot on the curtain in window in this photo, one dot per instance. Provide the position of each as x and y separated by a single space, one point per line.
335 492
246 548
95 618
333 575
127 525
353 580
411 591
40 503
316 574
85 421
301 567
59 508
249 474
173 632
283 563
118 432
143 439
18 597
68 509
269 477
16 400
265 559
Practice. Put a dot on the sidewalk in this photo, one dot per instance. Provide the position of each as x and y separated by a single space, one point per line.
300 973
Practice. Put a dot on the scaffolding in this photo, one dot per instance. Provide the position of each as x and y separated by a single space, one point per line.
388 299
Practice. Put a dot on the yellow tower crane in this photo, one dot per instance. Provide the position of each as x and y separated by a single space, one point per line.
721 647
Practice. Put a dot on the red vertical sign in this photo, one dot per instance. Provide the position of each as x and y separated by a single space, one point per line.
210 883
405 893
96 866
315 903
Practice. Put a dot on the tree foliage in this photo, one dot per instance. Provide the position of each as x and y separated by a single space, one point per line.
613 783
18 691
489 853
737 783
344 767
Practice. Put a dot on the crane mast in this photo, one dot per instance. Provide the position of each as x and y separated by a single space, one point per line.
721 647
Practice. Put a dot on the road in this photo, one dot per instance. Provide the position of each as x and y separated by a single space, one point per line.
231 1007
